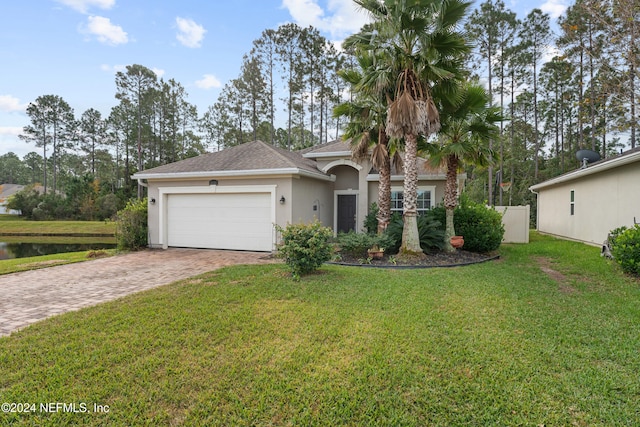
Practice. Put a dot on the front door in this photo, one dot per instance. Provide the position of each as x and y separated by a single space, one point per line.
346 213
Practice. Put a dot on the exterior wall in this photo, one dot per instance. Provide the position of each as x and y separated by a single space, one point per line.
602 201
346 178
312 199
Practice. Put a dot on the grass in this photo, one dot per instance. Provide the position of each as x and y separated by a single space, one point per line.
547 335
7 217
15 265
13 226
66 240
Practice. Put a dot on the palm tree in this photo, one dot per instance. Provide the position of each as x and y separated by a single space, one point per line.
467 126
420 38
366 129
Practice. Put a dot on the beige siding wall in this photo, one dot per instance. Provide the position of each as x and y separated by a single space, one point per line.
309 193
603 201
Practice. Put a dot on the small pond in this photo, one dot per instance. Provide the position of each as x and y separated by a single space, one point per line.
10 248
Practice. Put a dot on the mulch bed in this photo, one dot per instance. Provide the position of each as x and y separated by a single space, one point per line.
438 259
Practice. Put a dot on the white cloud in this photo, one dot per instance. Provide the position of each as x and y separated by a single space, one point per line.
83 6
10 130
158 72
9 103
113 68
208 81
105 31
10 142
340 17
555 8
189 34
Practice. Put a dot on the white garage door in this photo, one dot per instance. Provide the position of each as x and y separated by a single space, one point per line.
220 221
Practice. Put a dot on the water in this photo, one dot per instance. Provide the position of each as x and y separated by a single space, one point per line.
23 250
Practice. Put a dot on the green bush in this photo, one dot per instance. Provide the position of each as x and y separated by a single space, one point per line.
613 236
480 225
371 220
305 247
131 225
430 230
356 244
25 201
626 250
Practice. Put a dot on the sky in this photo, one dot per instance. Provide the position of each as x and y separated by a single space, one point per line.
73 48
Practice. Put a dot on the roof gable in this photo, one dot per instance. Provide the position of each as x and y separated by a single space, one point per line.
251 156
630 156
338 147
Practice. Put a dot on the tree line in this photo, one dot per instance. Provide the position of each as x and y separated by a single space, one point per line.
155 124
559 93
583 96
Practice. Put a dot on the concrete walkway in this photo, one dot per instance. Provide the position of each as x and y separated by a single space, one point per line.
30 296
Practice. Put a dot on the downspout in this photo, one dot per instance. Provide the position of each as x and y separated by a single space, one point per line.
146 185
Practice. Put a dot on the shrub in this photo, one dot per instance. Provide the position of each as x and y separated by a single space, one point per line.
480 225
131 226
626 250
305 247
356 244
371 220
25 201
430 230
613 236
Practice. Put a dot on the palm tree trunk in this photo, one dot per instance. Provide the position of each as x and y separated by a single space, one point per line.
410 236
384 186
450 201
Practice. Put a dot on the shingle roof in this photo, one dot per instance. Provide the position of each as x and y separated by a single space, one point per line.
250 156
337 146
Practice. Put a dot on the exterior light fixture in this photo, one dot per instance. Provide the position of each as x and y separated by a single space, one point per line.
213 182
282 200
152 201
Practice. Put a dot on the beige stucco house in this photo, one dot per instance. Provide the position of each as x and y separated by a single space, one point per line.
587 203
231 199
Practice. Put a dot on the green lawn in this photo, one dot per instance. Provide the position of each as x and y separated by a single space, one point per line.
18 226
15 265
547 335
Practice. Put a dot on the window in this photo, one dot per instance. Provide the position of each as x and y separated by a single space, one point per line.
424 199
573 205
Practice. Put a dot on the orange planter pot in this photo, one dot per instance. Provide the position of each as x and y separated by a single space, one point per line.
457 241
375 254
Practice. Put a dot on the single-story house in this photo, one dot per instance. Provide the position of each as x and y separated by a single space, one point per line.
231 199
587 203
6 191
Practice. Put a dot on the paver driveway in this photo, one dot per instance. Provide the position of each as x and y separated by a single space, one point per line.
30 296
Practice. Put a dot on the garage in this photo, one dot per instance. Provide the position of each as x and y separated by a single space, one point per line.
237 221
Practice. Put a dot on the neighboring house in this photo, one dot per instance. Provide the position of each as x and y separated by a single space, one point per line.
587 203
231 199
7 190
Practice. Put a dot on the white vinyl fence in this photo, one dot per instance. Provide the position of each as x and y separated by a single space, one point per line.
516 223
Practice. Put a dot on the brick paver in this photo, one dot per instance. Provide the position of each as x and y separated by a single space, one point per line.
31 296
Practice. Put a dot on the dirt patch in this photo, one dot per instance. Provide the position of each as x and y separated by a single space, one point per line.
41 263
561 279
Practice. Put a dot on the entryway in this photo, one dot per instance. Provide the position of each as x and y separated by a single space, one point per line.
346 212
